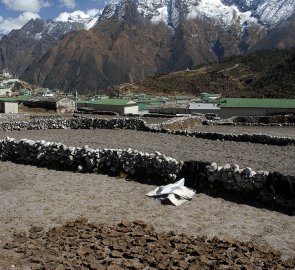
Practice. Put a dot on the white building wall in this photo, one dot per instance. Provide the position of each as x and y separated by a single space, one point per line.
131 110
5 92
10 107
121 109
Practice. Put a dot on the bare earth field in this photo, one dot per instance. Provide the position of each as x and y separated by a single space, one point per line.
41 197
37 196
269 130
256 156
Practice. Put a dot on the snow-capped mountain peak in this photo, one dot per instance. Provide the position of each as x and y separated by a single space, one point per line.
224 14
36 29
267 13
88 18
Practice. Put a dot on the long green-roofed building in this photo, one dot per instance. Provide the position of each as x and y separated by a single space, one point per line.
255 106
16 99
121 106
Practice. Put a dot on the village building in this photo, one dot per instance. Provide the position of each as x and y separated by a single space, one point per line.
8 107
121 106
60 105
203 108
254 107
5 92
209 97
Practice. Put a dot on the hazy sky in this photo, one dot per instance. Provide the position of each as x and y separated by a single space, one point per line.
15 13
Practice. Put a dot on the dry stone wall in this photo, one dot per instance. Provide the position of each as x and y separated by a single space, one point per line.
156 168
137 124
266 120
273 189
132 163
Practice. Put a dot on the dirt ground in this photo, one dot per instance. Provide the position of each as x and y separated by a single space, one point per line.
36 196
256 156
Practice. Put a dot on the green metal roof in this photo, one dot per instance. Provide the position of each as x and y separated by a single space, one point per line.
16 99
109 101
142 107
256 103
181 97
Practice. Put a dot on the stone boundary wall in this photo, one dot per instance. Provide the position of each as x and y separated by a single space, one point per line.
272 120
270 188
140 125
128 162
266 120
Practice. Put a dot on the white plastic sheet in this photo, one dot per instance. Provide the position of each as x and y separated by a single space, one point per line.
175 194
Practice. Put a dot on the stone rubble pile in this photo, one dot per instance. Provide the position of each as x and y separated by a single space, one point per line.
185 122
80 244
8 117
130 162
137 124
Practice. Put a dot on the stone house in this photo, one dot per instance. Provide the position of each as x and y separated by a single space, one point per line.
8 107
61 105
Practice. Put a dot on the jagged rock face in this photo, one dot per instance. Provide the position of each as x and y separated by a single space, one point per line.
112 52
281 37
199 41
20 48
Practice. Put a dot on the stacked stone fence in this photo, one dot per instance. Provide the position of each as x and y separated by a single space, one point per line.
262 188
271 189
271 120
140 125
131 163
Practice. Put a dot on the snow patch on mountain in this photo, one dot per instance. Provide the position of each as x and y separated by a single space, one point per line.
272 12
88 18
226 15
268 12
173 11
38 28
155 10
226 12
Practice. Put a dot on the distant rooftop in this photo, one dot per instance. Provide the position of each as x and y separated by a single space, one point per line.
16 99
203 106
256 103
109 101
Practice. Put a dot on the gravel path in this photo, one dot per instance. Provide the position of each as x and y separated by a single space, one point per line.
36 196
256 156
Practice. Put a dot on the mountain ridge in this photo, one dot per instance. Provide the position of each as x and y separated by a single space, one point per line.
188 32
262 74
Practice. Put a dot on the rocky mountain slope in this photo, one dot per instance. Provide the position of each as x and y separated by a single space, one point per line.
20 48
107 54
134 39
269 73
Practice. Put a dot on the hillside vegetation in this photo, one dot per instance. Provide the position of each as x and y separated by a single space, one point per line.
268 73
